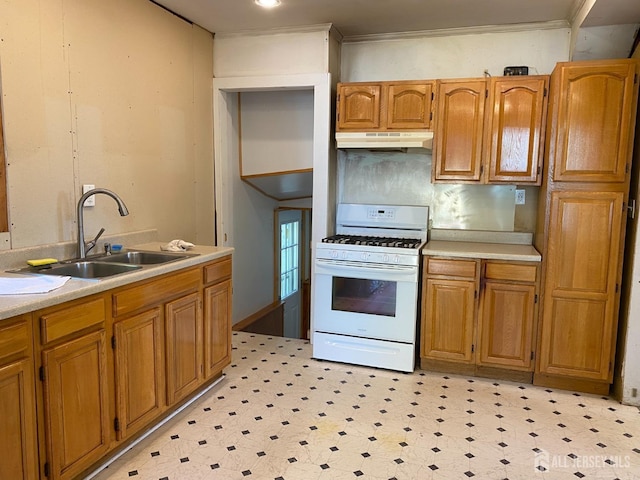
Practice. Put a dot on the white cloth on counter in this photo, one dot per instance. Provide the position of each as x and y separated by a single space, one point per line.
177 246
29 284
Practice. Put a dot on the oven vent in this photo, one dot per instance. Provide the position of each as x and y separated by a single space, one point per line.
384 140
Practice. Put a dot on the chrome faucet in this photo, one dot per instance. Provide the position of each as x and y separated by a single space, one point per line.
82 246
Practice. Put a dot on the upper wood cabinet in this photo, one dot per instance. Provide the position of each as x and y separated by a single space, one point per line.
490 130
457 149
582 220
592 141
515 128
381 106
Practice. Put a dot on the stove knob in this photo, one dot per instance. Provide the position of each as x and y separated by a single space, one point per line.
397 259
334 254
344 255
364 256
385 258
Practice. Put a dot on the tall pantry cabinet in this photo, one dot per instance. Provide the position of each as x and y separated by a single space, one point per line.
581 223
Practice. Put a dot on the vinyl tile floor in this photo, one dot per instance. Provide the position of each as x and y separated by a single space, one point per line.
280 415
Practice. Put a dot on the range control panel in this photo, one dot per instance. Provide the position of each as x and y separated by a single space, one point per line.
376 213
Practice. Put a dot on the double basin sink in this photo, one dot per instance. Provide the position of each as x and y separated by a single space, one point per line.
108 265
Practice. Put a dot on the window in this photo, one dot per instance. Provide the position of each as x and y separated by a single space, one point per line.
289 258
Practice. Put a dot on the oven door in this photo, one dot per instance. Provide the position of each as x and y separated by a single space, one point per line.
366 300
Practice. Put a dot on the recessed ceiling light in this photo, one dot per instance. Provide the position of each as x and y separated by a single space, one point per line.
268 3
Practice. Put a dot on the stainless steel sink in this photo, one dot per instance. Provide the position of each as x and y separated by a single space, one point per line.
88 269
142 258
107 265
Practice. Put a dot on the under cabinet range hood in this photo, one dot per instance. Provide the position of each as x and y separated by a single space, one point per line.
384 140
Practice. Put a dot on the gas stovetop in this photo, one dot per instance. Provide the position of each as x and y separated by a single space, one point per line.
373 241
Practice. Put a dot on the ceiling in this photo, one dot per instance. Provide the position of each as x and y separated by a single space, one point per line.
356 18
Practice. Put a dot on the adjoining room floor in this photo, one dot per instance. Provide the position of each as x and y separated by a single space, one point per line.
281 415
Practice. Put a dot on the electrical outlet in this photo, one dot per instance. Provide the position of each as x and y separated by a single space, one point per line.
520 197
91 201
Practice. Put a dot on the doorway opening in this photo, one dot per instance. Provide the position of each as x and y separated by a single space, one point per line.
291 232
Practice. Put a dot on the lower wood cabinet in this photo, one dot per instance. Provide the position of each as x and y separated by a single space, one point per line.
581 300
18 428
109 365
185 369
478 316
138 348
217 334
449 318
75 387
507 316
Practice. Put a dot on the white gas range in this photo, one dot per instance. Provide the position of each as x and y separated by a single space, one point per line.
366 286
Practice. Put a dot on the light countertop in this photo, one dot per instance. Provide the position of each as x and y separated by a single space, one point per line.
12 305
493 251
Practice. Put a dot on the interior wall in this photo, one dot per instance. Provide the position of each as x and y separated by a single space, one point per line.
244 216
405 178
447 55
277 131
455 54
611 41
116 94
627 373
277 51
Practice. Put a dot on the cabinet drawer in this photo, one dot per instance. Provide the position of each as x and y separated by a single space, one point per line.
451 268
510 271
155 292
14 339
218 270
61 323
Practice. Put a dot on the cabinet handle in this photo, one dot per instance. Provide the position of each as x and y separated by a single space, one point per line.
631 209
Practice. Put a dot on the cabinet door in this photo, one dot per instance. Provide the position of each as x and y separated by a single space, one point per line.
409 106
580 305
448 319
76 404
139 371
359 107
217 327
18 422
183 319
514 128
505 326
458 132
593 139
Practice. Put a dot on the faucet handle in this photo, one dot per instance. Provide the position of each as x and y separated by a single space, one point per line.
93 242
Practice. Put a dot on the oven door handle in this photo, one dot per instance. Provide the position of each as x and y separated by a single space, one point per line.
331 267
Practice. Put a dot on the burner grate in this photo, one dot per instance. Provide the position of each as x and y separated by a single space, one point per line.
373 241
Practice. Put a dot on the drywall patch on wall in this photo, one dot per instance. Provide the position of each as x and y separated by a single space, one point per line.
87 86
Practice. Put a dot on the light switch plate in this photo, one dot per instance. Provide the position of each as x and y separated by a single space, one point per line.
91 201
